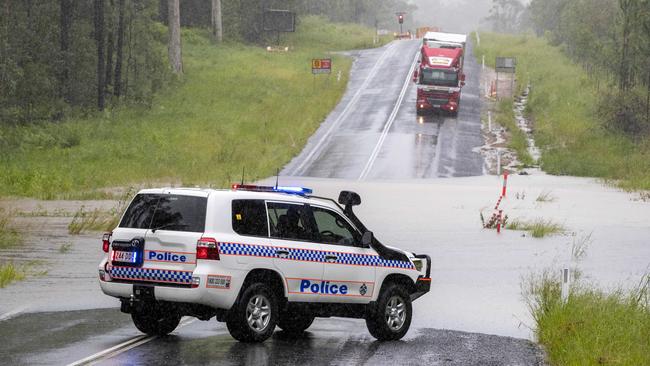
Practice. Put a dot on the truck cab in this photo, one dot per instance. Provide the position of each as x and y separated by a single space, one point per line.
439 79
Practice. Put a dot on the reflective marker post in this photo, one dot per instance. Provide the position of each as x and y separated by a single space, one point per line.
565 285
498 161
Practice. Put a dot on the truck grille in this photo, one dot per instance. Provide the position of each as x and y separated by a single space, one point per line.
437 101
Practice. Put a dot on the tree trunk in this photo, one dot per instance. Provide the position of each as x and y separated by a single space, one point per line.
647 102
217 27
66 24
99 40
623 81
117 85
109 63
175 57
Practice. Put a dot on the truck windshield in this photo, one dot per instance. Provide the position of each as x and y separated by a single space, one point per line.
435 44
438 77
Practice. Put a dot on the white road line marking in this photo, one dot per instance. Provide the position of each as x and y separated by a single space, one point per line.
11 314
389 121
124 346
352 101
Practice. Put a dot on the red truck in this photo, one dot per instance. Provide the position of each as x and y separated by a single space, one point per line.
439 78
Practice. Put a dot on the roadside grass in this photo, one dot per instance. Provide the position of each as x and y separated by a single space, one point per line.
563 108
237 107
593 327
538 228
545 196
84 221
65 247
100 220
9 236
505 116
9 273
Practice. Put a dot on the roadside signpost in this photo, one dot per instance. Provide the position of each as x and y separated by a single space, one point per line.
505 65
321 66
274 20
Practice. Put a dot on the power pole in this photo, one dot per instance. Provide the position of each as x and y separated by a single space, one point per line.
174 48
217 25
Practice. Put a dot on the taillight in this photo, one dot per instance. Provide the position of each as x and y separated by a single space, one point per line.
207 248
106 241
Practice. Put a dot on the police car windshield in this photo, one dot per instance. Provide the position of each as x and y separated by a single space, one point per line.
438 77
166 212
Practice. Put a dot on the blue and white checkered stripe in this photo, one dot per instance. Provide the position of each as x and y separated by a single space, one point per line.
241 249
368 260
306 255
311 255
149 274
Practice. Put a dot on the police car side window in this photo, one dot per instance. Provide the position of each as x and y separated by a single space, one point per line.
289 221
249 218
333 229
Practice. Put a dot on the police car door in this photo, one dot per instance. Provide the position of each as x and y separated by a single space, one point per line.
297 255
170 244
349 271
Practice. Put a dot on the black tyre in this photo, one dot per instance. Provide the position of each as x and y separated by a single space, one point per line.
295 323
254 315
156 320
390 318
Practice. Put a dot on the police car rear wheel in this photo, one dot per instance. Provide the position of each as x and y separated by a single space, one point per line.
254 316
390 317
295 323
156 322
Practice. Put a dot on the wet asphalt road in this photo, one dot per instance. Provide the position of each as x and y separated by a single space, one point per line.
327 342
375 133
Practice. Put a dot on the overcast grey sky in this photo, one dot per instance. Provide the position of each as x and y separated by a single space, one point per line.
460 16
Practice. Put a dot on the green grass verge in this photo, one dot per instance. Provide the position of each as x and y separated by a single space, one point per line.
9 236
9 273
96 220
538 228
562 105
237 106
517 141
592 328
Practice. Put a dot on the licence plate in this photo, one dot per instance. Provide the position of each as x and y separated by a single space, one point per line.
436 106
120 256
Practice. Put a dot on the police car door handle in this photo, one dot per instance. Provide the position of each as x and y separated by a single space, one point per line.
282 253
331 258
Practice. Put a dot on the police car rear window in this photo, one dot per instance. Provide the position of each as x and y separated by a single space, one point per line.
166 212
249 218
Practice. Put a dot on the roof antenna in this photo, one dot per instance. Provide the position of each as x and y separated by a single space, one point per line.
277 177
242 175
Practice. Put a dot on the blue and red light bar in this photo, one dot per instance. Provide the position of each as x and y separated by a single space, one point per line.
301 191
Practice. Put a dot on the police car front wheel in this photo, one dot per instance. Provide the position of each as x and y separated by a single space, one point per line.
254 316
390 317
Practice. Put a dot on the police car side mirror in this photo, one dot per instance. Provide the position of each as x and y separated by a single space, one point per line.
349 198
366 239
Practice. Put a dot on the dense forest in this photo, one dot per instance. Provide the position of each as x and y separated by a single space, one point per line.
61 57
609 38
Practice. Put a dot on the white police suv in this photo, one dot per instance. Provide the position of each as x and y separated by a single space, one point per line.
256 257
